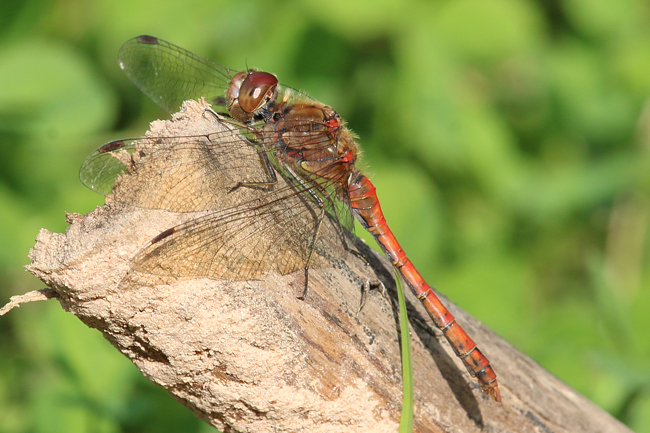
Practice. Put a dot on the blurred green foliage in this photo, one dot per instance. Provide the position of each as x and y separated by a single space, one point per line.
509 141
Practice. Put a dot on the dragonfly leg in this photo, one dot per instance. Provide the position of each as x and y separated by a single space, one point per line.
213 113
257 185
262 184
321 205
357 253
267 163
304 292
366 288
312 247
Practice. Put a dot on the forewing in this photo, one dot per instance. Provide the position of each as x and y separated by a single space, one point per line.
177 172
101 168
170 75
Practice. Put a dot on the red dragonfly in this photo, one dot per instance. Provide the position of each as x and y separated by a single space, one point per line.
288 135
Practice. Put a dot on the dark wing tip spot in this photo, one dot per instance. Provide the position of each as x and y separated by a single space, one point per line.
146 39
163 235
111 146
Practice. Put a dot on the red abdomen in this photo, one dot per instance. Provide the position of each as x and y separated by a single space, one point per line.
365 205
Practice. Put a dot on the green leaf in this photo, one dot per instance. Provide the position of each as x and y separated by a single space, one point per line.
406 420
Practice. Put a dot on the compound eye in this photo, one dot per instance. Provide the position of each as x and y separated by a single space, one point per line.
256 90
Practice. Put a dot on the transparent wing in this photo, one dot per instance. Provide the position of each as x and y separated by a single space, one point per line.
186 173
250 230
242 243
101 168
170 75
190 173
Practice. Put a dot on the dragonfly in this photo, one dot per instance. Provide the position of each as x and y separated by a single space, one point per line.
304 187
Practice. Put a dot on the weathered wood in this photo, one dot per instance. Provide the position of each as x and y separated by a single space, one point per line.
248 356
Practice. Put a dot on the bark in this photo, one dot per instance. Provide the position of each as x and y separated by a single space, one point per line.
249 356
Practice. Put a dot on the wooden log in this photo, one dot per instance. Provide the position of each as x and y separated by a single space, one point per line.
249 356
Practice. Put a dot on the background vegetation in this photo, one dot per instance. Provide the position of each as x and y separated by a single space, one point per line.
509 141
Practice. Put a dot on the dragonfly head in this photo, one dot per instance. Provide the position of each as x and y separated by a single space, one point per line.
249 92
